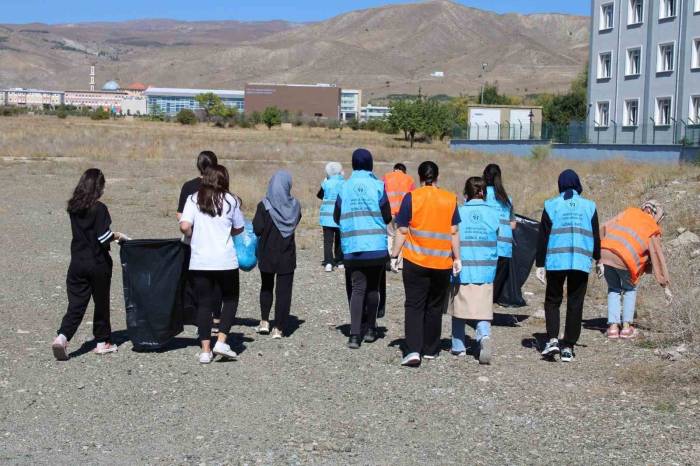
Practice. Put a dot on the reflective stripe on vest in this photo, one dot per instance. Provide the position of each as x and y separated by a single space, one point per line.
478 235
570 244
362 227
629 238
429 240
331 189
505 232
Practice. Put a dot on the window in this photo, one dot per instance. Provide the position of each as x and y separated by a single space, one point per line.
631 116
605 65
663 111
694 115
603 114
665 63
607 12
667 9
695 63
636 12
634 62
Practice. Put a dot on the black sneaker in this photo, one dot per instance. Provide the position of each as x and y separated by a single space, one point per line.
551 348
567 354
354 342
371 335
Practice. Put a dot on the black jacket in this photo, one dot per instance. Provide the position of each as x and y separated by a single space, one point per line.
275 253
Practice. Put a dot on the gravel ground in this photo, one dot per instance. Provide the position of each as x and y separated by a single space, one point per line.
303 399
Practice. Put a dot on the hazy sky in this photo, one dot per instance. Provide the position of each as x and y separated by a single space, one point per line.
69 11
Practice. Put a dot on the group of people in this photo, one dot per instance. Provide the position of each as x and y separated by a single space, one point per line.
454 255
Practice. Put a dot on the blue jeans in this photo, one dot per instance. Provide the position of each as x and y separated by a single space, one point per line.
482 327
622 295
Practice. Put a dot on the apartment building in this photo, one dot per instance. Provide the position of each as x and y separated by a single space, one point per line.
644 78
31 98
350 104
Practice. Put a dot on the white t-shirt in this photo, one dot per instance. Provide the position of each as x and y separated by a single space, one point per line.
212 244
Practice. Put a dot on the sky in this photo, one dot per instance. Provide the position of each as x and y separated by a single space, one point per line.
74 11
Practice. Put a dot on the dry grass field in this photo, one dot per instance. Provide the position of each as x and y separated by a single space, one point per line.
145 164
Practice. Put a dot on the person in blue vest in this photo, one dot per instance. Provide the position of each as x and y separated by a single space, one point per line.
569 240
363 211
472 294
332 253
497 197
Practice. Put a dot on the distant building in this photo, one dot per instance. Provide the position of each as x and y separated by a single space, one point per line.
169 101
504 122
438 74
311 101
107 100
371 112
135 89
644 81
31 98
350 104
134 105
111 86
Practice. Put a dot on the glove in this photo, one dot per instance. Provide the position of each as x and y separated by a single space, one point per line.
121 237
668 294
541 275
456 266
395 264
600 270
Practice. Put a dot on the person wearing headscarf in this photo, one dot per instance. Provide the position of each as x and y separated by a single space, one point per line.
363 211
569 240
631 247
330 187
275 222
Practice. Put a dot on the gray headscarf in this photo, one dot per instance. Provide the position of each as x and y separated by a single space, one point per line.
282 206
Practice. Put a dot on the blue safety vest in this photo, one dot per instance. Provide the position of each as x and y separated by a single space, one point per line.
362 227
570 245
478 236
505 232
331 188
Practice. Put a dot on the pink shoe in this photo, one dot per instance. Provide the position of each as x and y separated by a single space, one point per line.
60 348
629 333
613 332
105 348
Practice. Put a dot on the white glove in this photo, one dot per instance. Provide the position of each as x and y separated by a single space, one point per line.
395 264
456 266
541 275
600 270
668 294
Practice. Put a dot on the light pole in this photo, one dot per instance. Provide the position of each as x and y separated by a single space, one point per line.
483 82
531 116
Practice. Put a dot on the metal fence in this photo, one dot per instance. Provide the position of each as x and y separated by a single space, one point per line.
679 132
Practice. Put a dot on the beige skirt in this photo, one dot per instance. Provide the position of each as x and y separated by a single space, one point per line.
472 302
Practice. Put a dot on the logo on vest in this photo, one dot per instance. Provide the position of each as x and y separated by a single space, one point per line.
572 204
360 188
475 217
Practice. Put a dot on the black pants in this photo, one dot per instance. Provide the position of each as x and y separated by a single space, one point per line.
426 295
215 290
332 253
502 273
82 282
282 298
577 284
364 293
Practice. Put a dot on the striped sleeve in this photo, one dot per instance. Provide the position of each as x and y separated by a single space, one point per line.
103 224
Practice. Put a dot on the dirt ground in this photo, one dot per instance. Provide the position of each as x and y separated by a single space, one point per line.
306 398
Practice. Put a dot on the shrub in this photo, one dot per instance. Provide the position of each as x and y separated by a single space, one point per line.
62 113
272 116
99 114
540 153
353 124
186 117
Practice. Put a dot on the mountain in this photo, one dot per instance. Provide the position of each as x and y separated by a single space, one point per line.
387 50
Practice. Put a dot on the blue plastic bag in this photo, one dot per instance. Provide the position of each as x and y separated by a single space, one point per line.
246 245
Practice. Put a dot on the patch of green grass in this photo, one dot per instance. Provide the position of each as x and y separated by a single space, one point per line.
665 407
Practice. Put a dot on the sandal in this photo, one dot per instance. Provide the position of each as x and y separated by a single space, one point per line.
613 332
629 333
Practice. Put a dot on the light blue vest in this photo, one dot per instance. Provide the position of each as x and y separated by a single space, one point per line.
570 244
362 227
331 188
505 233
478 236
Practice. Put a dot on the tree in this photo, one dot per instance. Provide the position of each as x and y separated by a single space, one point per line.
272 116
562 109
437 120
490 96
100 114
407 116
212 105
186 117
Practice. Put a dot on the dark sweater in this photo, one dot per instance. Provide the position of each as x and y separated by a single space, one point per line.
546 229
275 253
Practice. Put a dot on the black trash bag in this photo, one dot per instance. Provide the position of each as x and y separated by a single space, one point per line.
153 291
525 238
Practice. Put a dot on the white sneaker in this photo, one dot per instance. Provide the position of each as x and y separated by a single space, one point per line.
60 348
341 266
276 334
411 359
224 350
485 351
105 348
329 267
263 328
205 358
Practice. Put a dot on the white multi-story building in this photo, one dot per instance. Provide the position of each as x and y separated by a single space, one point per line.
644 80
371 112
31 98
350 104
107 100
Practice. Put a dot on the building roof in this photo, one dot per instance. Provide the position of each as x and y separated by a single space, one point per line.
110 86
323 85
137 86
28 90
178 92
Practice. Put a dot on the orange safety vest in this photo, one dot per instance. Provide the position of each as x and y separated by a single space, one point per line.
429 239
629 238
397 185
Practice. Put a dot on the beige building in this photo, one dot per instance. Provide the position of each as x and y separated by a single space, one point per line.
108 100
508 122
31 98
134 105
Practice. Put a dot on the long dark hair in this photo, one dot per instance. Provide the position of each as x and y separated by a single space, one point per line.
475 188
206 159
212 192
492 177
428 172
86 194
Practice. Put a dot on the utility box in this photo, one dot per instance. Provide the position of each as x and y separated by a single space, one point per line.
504 122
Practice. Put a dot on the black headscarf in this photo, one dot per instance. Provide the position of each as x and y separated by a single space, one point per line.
362 160
568 183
